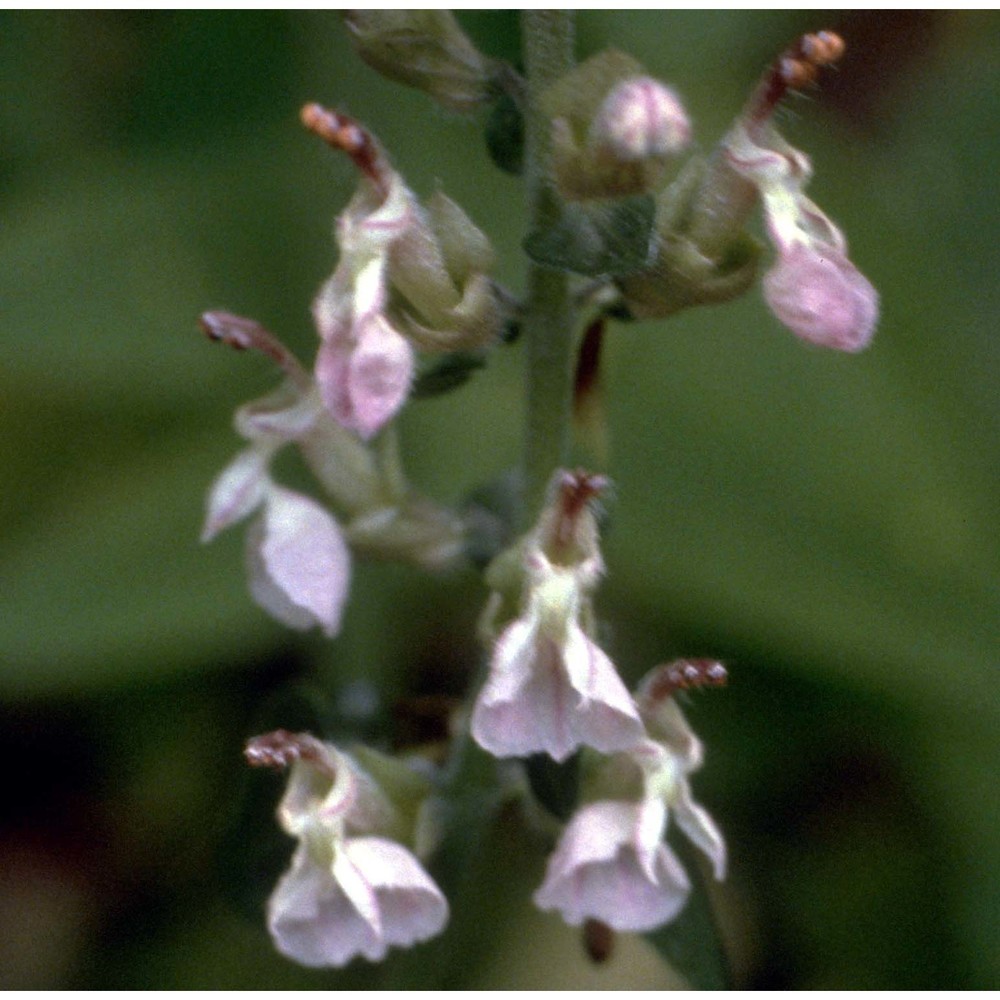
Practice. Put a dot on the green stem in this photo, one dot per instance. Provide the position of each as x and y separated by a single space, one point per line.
547 45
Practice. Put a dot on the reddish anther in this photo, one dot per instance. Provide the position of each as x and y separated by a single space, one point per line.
349 136
683 675
280 749
797 67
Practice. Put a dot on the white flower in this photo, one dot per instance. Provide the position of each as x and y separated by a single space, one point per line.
611 865
350 890
551 688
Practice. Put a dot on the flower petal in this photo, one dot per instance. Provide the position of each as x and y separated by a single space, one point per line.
411 906
700 829
312 921
379 376
332 373
596 873
822 297
606 718
237 492
526 705
298 562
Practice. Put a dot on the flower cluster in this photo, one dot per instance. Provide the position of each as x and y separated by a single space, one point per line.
408 277
609 204
701 253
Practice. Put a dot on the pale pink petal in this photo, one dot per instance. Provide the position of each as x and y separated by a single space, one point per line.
312 921
298 562
237 492
822 297
332 373
544 698
596 873
379 377
527 704
356 884
411 906
606 717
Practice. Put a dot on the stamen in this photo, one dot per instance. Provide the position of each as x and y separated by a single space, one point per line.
244 334
683 675
280 749
349 136
796 68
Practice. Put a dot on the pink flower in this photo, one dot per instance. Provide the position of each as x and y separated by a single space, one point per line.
298 561
547 694
611 865
350 890
408 276
364 366
813 287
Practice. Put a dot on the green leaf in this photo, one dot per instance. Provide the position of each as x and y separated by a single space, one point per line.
691 942
597 238
504 135
447 374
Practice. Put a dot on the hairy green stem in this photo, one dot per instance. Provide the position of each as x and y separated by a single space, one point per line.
547 46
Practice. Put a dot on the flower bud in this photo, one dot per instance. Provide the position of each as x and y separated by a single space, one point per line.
641 119
613 128
425 49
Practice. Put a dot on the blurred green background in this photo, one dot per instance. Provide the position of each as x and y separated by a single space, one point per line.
825 524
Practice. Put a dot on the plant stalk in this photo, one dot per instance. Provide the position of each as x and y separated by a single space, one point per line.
547 46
